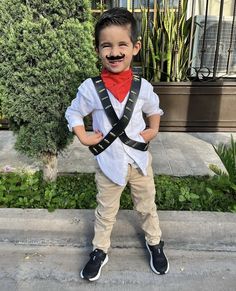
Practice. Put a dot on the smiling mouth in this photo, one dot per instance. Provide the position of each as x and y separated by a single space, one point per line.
115 61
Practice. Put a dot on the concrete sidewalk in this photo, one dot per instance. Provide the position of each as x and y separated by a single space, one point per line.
45 251
174 153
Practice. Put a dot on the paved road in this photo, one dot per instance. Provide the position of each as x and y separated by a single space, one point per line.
34 268
45 251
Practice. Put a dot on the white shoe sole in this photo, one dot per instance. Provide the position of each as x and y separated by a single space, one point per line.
99 272
151 264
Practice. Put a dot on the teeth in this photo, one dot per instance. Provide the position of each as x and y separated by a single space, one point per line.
116 61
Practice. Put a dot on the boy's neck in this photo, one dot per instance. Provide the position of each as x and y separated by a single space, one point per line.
104 70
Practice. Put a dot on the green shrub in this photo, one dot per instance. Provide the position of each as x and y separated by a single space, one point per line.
225 181
79 191
46 51
194 193
227 154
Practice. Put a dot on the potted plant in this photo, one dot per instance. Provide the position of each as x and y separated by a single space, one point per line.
189 105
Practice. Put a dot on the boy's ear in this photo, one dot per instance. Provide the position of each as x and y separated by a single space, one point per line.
137 47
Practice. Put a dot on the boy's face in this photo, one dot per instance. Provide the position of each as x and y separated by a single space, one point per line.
116 49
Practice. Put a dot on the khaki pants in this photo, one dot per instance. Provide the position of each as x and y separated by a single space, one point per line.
108 199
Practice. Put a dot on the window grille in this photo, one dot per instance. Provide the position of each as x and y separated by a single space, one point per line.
212 47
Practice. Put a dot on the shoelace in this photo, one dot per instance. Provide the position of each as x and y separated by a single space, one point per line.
157 251
94 255
94 258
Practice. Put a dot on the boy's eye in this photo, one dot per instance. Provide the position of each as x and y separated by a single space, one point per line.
105 45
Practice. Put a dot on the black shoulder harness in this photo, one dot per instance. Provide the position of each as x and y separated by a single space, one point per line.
118 125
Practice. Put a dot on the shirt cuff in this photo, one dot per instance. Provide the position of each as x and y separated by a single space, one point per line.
71 125
159 111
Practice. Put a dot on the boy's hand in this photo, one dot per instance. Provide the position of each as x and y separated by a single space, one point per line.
85 138
92 139
149 134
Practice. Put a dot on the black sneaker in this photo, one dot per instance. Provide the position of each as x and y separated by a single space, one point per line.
158 261
94 266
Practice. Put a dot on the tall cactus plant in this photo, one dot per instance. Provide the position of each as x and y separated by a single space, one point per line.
166 38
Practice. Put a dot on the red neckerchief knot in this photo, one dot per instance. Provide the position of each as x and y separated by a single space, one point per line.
118 84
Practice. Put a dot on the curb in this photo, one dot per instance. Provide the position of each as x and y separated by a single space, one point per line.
181 230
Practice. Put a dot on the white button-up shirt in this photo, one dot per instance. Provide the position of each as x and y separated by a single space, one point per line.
115 159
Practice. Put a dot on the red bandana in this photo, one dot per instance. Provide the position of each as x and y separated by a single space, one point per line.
118 84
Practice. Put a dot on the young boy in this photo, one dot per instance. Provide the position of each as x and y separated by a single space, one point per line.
120 138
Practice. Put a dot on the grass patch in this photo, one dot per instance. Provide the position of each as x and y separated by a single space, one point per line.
24 190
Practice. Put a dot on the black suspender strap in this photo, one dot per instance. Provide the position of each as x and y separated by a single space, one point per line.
118 125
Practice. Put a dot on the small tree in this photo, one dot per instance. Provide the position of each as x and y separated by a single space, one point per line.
46 50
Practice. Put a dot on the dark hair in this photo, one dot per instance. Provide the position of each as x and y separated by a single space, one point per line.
116 16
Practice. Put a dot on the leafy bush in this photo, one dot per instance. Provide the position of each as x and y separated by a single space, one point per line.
79 191
46 51
194 193
227 154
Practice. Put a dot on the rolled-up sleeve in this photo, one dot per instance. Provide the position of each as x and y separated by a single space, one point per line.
81 106
152 104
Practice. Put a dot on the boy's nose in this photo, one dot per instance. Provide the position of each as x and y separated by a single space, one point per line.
115 51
